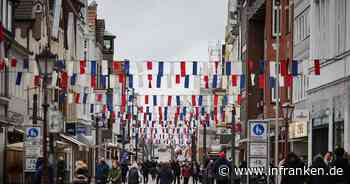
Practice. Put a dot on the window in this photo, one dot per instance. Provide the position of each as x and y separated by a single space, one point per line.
340 26
9 15
276 21
107 44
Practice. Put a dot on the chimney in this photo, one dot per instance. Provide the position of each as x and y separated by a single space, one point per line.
92 16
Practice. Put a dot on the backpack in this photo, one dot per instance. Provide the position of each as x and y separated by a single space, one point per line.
133 176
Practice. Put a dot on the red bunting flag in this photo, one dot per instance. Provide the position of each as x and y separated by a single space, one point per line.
177 79
216 100
169 100
93 81
183 68
64 81
288 80
99 97
123 100
284 68
193 100
77 98
149 65
206 81
2 33
317 67
146 99
82 66
37 81
149 77
239 99
117 66
234 80
2 65
251 65
261 81
121 78
13 62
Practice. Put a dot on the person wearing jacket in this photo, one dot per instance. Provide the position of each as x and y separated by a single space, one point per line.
115 174
165 175
102 171
186 173
81 173
340 162
319 163
219 164
293 162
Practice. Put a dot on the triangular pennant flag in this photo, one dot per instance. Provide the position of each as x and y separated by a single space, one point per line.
215 81
200 100
234 80
159 80
206 81
93 67
161 68
284 67
273 69
194 100
82 66
149 65
261 66
272 82
131 81
13 62
228 68
242 82
146 99
169 100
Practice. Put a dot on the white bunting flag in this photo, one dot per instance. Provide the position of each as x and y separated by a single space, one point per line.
252 78
70 66
104 66
273 69
237 68
54 76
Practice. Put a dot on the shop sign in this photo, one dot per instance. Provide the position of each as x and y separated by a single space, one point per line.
297 129
30 164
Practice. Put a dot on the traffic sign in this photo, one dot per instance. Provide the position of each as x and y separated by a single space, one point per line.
257 162
258 130
33 133
30 165
32 151
258 149
56 121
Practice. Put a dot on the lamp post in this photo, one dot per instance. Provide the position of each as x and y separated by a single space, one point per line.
287 109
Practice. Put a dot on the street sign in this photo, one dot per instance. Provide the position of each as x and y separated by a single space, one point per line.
32 151
33 134
55 121
257 162
258 130
30 165
258 149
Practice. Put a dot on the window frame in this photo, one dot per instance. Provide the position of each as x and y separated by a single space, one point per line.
275 10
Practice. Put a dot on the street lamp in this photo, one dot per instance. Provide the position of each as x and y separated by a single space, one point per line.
287 109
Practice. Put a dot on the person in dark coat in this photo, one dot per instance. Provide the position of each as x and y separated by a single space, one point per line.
177 172
165 175
102 171
219 164
293 162
340 162
145 171
319 163
125 170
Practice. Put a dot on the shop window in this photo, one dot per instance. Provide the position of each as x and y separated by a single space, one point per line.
338 134
276 23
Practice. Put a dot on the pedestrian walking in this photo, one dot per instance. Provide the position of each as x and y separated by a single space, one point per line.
186 173
195 172
340 162
125 170
145 172
115 174
81 173
293 162
319 163
134 174
177 172
165 175
61 170
220 165
102 171
210 172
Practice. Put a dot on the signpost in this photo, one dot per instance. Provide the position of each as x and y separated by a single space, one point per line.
258 150
32 147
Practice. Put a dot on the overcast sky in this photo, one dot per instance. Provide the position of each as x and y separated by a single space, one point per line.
164 29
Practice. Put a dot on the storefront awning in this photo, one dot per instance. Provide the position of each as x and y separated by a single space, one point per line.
74 141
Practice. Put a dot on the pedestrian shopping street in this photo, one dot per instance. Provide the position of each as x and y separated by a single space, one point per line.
105 91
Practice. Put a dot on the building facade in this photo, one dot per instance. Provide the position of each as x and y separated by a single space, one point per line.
328 93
